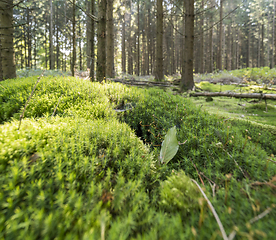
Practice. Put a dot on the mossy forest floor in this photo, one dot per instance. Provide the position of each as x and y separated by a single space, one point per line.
84 163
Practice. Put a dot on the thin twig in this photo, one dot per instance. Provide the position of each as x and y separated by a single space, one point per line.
56 106
94 18
235 162
179 143
212 184
213 211
260 216
198 173
255 219
3 87
271 160
22 115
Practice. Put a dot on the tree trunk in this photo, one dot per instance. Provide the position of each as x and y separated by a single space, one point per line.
129 47
57 40
143 49
262 47
73 63
259 46
124 42
80 48
1 69
187 80
268 42
201 66
101 46
29 39
229 52
220 37
138 38
273 37
52 63
92 44
211 53
88 34
148 40
110 41
6 34
248 45
159 75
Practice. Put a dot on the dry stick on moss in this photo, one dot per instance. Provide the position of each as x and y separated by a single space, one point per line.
198 173
255 219
22 115
235 163
271 160
56 106
213 211
3 87
212 184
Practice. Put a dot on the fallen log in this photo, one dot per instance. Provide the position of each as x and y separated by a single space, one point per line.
235 95
143 83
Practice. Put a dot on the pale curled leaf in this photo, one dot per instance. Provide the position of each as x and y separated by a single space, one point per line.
169 146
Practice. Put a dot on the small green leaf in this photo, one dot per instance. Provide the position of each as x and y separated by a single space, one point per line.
169 146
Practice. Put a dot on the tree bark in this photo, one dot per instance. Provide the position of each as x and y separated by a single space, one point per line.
6 35
201 66
110 73
29 39
273 37
262 47
80 48
187 79
1 69
229 52
92 44
220 37
88 34
101 46
138 38
57 39
124 41
129 47
159 75
248 45
73 63
51 52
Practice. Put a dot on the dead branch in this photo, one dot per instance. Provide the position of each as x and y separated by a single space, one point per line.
22 115
235 95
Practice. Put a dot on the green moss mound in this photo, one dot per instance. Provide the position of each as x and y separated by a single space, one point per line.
67 95
179 193
91 171
62 177
213 145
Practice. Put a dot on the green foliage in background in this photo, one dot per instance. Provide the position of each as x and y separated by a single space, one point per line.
91 171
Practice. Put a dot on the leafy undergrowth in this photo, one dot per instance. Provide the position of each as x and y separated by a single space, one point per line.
263 75
91 171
